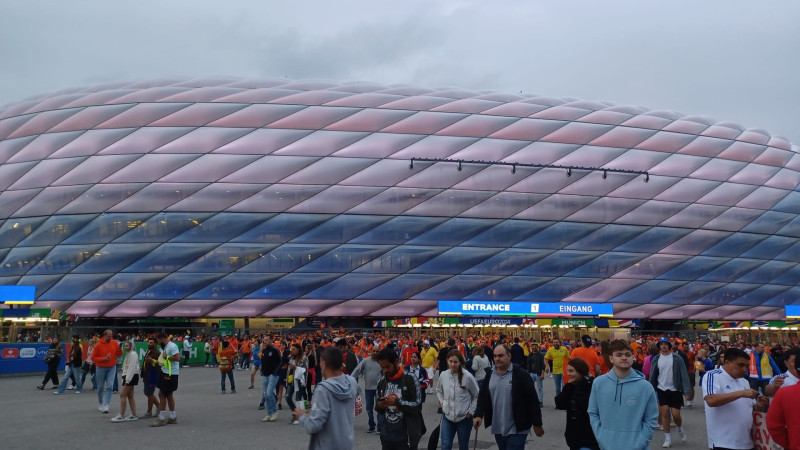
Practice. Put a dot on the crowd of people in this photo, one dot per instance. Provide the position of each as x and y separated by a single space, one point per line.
616 394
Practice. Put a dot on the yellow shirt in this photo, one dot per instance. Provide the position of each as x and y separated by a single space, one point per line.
558 357
429 357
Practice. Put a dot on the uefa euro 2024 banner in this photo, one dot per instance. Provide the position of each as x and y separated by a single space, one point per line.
26 357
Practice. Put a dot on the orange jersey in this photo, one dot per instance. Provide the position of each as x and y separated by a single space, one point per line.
588 356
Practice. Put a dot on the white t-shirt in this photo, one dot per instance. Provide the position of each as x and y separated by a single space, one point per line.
728 425
790 379
666 380
171 349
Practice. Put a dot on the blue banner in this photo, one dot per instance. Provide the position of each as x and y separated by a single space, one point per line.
473 308
25 357
792 311
17 294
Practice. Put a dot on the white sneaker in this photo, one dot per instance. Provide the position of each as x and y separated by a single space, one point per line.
105 408
295 422
689 402
100 408
70 388
118 418
666 444
131 418
682 435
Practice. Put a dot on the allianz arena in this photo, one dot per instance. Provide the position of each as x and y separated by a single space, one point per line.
230 197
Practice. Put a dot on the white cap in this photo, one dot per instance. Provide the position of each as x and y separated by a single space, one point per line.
426 342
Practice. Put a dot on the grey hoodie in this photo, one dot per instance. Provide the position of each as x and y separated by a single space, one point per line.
330 422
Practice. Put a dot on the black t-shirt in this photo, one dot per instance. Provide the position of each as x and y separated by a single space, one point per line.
443 358
77 356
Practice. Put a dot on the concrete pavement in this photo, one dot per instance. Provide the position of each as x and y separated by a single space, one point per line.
33 419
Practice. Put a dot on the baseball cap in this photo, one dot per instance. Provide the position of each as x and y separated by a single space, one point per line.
586 339
426 342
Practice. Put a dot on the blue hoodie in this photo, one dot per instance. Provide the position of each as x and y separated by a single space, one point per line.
623 413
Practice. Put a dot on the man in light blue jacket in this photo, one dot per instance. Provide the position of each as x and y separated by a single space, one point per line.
623 408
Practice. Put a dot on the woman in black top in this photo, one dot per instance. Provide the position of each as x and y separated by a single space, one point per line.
574 398
52 358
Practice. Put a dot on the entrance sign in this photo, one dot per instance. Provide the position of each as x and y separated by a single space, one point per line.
17 295
472 308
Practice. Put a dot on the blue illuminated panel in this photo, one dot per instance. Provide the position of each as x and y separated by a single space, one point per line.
17 294
477 308
792 311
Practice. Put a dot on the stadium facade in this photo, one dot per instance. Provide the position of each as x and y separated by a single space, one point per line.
226 197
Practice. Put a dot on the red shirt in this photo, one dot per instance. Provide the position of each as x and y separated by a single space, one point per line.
406 355
783 418
692 358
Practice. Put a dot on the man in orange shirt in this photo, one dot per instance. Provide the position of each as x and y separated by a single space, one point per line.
587 355
225 360
104 355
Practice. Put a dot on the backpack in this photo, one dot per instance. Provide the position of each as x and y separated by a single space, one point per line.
224 363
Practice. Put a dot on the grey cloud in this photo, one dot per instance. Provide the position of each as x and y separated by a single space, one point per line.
733 60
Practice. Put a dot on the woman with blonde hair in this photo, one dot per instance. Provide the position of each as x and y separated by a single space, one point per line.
130 378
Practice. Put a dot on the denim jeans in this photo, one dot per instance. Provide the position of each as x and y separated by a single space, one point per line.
512 441
369 405
449 430
222 380
116 379
85 372
290 396
537 380
268 384
558 379
105 383
63 385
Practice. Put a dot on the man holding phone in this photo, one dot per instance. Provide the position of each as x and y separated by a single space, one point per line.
399 402
788 378
730 402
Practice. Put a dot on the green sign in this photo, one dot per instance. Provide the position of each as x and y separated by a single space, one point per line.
227 324
574 322
197 354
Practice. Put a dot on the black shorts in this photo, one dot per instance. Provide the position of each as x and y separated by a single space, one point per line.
673 399
134 380
167 383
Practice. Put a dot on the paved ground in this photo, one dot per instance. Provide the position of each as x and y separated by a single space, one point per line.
33 419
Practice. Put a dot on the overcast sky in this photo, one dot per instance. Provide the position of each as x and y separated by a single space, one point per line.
733 60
